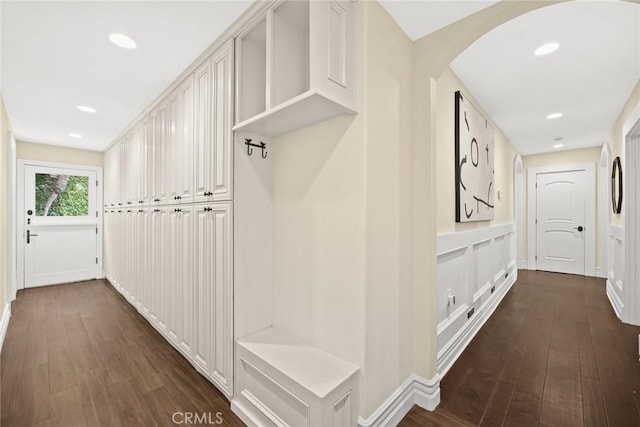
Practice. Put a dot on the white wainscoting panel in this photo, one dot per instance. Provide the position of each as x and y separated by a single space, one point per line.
477 267
615 276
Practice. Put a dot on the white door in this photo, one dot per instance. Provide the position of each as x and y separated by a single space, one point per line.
561 221
60 223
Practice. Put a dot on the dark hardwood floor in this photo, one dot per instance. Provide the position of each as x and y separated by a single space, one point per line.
80 355
553 354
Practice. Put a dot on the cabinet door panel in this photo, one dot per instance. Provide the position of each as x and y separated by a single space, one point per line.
215 294
187 296
173 153
202 137
222 178
184 168
160 266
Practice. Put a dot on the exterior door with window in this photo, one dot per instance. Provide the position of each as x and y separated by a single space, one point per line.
60 225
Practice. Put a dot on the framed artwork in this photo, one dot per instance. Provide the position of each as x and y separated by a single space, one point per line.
616 186
474 163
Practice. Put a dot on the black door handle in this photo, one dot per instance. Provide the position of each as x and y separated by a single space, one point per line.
579 228
29 236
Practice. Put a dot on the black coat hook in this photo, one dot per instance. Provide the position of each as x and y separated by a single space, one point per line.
262 146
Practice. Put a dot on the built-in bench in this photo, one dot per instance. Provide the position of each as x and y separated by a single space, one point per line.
284 381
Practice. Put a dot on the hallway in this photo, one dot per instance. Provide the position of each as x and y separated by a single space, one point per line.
80 355
553 353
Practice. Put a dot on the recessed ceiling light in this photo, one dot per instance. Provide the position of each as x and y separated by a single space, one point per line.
122 41
546 49
86 109
559 138
75 135
558 146
554 116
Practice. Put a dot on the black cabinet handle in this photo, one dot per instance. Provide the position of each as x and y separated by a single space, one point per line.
128 203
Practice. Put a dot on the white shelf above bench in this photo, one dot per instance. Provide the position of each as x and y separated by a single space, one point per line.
285 381
295 66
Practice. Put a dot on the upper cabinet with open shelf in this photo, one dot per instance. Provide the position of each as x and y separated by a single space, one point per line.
295 66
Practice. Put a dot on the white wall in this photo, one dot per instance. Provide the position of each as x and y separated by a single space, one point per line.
472 258
342 218
56 154
618 289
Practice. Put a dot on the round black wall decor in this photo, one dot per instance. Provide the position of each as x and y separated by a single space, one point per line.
616 186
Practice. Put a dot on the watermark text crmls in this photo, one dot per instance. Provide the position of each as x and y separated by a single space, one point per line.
186 418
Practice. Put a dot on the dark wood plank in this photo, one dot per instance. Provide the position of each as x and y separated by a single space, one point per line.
80 355
568 361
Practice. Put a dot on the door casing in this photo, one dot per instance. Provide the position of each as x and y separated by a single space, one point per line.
20 207
590 214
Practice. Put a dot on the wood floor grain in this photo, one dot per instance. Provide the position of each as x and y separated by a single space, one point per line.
80 355
552 354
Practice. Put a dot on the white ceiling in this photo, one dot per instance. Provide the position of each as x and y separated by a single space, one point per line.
588 79
56 55
420 17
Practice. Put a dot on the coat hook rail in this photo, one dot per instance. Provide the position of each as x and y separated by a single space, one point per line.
262 146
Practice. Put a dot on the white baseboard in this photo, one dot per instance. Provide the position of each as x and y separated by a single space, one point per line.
615 300
599 273
415 390
4 323
524 265
454 348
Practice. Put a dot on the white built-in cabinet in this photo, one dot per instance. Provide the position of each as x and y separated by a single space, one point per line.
169 194
295 66
168 217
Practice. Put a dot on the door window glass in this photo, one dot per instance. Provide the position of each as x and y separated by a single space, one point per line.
62 195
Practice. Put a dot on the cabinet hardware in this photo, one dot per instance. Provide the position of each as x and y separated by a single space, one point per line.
140 210
119 211
128 203
262 146
156 210
140 201
129 210
119 204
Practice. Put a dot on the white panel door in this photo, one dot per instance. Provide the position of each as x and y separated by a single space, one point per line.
60 225
561 221
214 292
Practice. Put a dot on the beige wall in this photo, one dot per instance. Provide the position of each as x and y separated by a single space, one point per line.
56 154
5 126
505 153
616 140
586 155
342 219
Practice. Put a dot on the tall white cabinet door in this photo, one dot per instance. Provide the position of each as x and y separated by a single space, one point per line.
184 167
160 269
222 121
143 264
162 154
173 153
187 294
203 152
214 293
173 259
142 162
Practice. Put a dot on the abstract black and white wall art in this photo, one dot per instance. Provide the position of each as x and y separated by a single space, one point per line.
474 163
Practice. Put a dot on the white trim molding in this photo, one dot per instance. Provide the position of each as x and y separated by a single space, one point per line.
590 212
4 323
615 275
416 390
